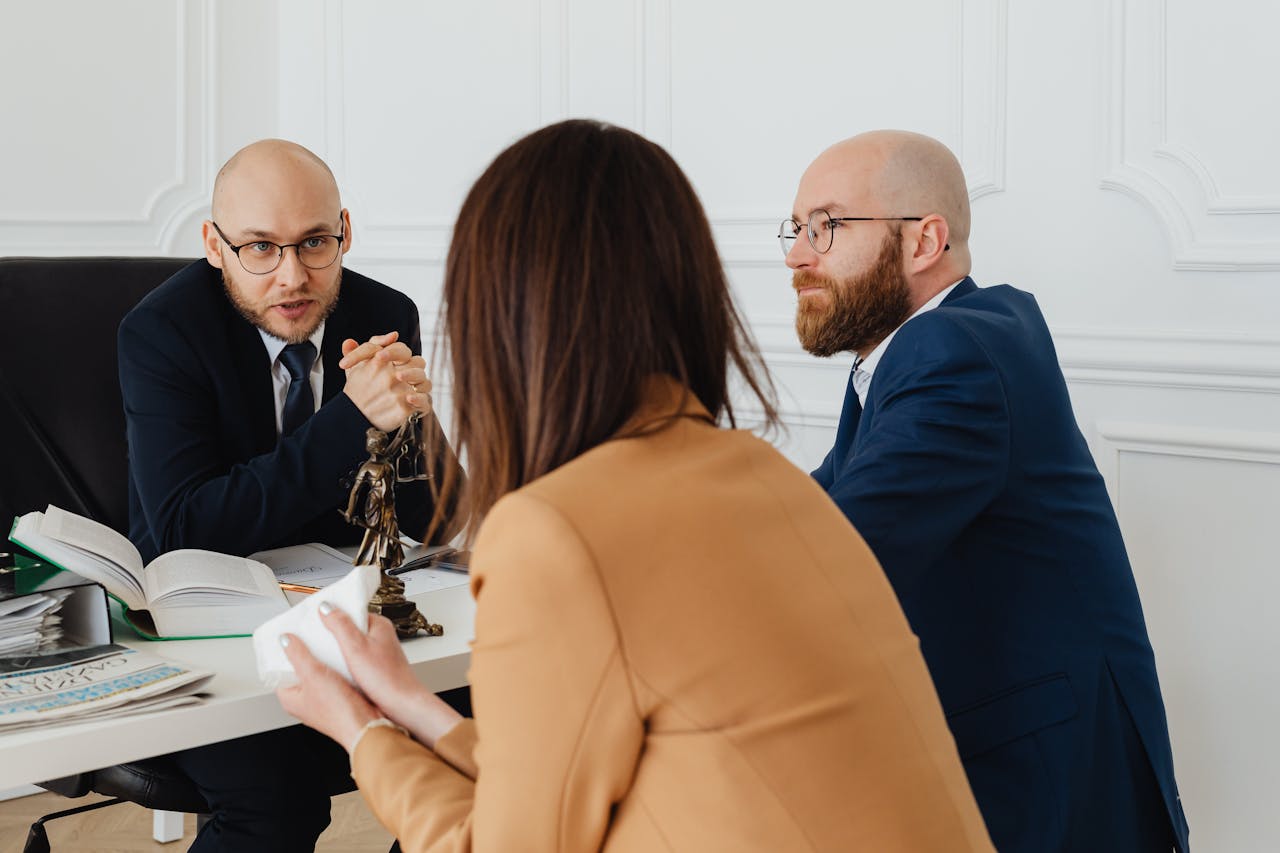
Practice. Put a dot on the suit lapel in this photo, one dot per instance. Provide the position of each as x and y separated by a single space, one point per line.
336 330
850 420
254 369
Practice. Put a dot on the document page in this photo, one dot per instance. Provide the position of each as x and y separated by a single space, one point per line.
313 564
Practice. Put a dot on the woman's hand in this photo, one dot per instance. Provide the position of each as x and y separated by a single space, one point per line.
323 699
381 670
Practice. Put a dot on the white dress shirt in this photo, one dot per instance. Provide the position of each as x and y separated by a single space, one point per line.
866 366
280 377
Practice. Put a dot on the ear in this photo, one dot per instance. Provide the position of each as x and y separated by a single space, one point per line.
212 244
346 229
930 245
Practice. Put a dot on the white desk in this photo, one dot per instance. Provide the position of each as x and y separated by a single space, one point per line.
239 704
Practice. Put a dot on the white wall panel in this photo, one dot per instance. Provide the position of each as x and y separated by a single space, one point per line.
1198 509
1203 162
117 116
73 173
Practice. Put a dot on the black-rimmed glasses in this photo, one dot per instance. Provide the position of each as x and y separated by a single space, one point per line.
822 226
262 256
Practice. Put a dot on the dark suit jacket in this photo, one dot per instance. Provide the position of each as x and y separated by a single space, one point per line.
206 467
970 480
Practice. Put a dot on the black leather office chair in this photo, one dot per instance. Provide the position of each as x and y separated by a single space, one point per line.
62 441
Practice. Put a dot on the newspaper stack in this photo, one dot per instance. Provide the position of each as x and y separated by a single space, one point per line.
94 682
31 623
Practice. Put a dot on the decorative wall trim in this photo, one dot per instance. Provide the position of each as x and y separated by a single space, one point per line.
1119 437
1208 231
1186 360
653 71
982 94
173 201
1189 360
426 240
980 121
553 61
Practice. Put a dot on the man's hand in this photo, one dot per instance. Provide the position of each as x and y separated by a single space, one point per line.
385 380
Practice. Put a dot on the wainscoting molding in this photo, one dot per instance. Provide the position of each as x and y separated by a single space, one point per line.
1208 231
1186 360
398 240
157 227
1120 437
747 238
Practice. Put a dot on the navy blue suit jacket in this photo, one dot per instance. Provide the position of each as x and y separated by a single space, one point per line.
969 478
206 466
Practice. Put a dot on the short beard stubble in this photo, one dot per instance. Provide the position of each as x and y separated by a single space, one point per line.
861 310
257 320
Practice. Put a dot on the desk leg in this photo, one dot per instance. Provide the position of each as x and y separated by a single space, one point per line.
166 826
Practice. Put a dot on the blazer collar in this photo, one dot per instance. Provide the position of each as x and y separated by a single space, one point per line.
253 370
337 328
964 288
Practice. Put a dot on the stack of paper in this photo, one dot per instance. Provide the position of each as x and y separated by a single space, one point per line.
32 622
92 683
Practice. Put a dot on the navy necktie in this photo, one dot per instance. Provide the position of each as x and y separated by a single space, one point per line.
299 402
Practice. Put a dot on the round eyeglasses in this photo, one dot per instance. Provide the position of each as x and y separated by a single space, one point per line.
262 256
821 229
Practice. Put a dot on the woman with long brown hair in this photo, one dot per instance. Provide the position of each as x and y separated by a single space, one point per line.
680 642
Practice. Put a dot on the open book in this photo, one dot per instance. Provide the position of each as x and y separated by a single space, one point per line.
179 595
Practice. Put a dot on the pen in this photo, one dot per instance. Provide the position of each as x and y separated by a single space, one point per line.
423 561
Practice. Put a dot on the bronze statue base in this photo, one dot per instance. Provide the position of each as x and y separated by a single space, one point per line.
389 601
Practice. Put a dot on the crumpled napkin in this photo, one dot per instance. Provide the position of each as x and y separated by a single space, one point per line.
350 595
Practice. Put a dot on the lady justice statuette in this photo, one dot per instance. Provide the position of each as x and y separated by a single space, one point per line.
398 460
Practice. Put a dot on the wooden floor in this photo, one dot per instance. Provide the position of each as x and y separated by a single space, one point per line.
126 828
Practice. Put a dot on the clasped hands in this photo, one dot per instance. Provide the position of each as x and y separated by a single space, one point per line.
325 701
385 380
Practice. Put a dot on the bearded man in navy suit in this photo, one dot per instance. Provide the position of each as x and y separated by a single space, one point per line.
958 459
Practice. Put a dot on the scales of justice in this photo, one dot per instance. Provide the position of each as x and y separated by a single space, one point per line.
372 506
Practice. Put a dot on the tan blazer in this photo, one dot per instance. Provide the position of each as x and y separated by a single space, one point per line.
681 644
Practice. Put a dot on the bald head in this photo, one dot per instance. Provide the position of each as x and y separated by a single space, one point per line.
904 174
895 234
272 166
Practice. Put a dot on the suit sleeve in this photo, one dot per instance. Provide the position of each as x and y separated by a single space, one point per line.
557 735
188 496
935 453
825 473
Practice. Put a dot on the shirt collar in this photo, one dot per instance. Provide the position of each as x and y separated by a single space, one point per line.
867 364
275 345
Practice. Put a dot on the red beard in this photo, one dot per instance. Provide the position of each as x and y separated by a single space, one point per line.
860 310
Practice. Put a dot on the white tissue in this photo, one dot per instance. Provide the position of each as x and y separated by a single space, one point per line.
350 595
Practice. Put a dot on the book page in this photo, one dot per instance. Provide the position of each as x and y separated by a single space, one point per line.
91 536
202 572
118 581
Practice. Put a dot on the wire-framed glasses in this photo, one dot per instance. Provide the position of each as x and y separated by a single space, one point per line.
262 256
821 228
